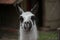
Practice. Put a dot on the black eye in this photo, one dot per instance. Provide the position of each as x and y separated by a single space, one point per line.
33 18
21 19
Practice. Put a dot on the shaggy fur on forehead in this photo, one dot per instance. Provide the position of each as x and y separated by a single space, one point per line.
24 14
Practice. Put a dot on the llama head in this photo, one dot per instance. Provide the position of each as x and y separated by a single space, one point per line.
27 20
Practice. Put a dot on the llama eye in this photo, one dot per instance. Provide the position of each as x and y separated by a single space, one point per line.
33 18
21 19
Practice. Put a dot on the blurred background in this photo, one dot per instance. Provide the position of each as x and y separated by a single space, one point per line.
47 13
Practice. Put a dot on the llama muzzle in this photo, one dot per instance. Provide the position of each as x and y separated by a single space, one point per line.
27 26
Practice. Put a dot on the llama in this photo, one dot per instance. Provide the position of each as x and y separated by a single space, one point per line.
28 30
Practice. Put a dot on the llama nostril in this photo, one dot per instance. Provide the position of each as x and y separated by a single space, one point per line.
26 22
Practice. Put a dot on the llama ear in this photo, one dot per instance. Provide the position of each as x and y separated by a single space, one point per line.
20 9
17 5
35 8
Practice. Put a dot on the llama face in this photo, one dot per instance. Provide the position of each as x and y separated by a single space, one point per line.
27 20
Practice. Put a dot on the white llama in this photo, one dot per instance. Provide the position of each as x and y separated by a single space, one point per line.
28 29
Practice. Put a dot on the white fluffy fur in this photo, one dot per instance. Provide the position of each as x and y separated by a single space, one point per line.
32 34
